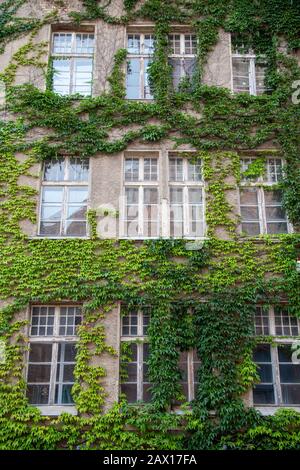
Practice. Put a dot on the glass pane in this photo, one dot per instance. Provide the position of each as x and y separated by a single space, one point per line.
51 212
131 169
52 195
189 67
195 196
262 353
251 229
76 229
249 213
77 195
176 65
38 394
54 170
263 395
150 169
66 397
38 373
240 68
61 76
273 197
133 43
275 213
133 79
70 352
84 43
40 352
248 197
82 80
62 43
278 227
291 394
76 212
132 195
130 391
50 228
78 169
176 195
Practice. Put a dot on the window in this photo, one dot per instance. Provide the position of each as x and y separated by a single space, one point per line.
189 365
248 74
72 56
186 197
135 384
273 170
64 197
140 49
279 375
182 58
260 205
141 202
51 362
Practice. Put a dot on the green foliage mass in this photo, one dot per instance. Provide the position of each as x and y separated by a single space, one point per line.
231 275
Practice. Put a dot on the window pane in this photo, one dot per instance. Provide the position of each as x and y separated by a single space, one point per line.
40 352
133 43
150 169
62 76
176 65
176 169
249 213
84 43
133 79
38 394
195 171
291 394
54 170
131 169
78 169
50 228
248 197
77 195
42 316
263 395
278 227
62 43
130 391
82 80
38 373
262 353
240 71
251 229
52 195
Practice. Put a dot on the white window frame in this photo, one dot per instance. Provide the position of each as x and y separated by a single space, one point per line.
73 55
141 184
251 58
261 184
185 185
277 341
142 57
52 408
182 55
65 184
191 374
139 340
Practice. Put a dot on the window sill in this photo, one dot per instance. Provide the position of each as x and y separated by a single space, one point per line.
53 410
270 410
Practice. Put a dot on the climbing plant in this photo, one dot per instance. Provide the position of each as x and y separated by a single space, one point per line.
200 298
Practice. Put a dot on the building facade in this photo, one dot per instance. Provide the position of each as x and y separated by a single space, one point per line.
149 214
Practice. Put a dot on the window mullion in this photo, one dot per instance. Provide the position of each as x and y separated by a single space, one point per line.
140 371
186 210
61 372
272 321
261 209
190 377
53 373
276 374
141 210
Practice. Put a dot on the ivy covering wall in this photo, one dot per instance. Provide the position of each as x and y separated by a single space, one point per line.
230 275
